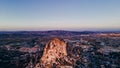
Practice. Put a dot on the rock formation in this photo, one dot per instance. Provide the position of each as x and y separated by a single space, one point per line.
54 49
29 50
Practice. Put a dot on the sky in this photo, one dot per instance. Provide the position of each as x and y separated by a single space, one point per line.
79 15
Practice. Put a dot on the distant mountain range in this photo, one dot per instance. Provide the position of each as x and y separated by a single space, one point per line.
56 32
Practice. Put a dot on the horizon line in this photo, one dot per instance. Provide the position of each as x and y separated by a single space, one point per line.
60 30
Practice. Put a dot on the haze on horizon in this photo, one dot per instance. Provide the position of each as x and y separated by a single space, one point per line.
59 15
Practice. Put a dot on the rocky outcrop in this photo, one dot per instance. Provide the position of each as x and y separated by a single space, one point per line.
54 49
29 50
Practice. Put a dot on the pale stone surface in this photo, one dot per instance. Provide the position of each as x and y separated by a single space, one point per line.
55 48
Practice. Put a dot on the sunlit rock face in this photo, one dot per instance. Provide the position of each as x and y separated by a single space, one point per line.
54 49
